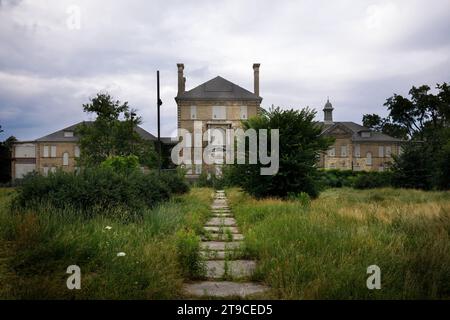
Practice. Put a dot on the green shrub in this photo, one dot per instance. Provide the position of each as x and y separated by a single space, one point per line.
175 181
370 180
188 244
95 189
123 164
356 179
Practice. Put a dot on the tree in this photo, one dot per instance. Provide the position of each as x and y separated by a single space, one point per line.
113 133
425 118
300 147
5 157
384 125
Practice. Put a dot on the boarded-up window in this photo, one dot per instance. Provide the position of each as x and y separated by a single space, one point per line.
193 112
219 112
46 171
77 151
68 134
22 169
53 169
25 151
369 158
332 152
357 150
388 151
343 151
53 151
381 151
65 159
244 112
198 169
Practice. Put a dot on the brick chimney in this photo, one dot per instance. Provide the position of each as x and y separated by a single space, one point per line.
181 79
256 78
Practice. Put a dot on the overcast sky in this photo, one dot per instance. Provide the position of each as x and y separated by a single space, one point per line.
356 52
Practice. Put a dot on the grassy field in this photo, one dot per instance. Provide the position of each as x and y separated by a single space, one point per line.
306 250
321 250
37 246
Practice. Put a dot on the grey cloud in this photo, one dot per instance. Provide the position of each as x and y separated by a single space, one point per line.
307 50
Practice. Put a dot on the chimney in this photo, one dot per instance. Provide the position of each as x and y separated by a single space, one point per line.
256 78
181 79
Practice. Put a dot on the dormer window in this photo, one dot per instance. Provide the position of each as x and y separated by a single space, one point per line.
68 134
365 134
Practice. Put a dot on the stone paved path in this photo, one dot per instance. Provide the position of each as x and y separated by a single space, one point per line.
226 273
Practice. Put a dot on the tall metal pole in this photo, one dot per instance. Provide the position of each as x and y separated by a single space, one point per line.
158 102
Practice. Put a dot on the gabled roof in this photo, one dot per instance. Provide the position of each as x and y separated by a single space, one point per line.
218 89
58 136
356 130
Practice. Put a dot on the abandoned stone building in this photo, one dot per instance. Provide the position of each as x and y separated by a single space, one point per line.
218 104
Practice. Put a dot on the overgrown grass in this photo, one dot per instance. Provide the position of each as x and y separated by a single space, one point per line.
322 250
38 245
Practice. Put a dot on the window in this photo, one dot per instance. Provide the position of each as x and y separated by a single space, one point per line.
357 150
68 134
343 151
46 171
365 134
77 151
53 151
243 112
388 151
46 152
332 152
381 168
381 151
369 158
65 159
189 169
193 112
198 169
53 169
219 112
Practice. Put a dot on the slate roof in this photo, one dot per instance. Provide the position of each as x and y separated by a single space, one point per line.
58 136
218 89
356 129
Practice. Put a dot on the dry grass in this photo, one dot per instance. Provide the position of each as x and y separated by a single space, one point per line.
323 250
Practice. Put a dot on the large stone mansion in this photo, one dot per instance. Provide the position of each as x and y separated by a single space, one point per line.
218 104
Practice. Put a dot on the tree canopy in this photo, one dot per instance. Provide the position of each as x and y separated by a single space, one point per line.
113 133
300 147
423 120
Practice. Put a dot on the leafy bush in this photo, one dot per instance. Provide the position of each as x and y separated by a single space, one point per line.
354 179
334 178
175 181
99 188
300 145
369 180
123 164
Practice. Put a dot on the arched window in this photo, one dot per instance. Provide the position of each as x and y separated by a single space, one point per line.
65 159
369 158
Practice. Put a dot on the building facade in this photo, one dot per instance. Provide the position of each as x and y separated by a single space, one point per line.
356 147
58 150
217 104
